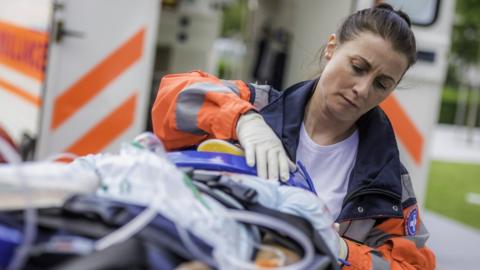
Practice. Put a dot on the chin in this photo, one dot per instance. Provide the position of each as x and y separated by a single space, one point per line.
340 113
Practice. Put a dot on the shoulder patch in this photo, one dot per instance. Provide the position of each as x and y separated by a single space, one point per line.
411 222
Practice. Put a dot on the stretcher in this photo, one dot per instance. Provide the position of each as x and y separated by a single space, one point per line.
68 236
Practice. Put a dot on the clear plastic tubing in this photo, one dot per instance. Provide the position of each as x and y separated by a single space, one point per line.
30 227
278 225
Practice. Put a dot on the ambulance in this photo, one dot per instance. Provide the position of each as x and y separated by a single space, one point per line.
78 76
74 75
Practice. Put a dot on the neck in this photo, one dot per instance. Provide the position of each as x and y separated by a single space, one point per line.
323 127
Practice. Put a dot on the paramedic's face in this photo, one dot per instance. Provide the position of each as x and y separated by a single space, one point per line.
359 75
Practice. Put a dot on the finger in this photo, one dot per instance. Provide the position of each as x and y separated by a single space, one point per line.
336 226
272 164
283 164
291 165
250 154
261 160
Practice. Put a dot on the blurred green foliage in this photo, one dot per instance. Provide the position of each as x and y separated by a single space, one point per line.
449 106
449 94
466 31
448 185
465 47
233 19
465 50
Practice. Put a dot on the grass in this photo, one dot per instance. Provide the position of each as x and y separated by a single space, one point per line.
449 94
448 185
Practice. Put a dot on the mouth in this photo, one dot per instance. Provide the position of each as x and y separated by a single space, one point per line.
350 102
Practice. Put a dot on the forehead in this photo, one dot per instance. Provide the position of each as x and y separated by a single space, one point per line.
378 52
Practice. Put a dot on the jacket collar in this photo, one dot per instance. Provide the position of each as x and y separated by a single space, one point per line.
285 114
377 169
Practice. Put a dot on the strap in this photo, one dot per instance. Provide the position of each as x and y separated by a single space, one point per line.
54 219
356 230
125 255
95 217
378 263
118 213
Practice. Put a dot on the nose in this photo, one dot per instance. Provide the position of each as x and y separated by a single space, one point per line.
362 87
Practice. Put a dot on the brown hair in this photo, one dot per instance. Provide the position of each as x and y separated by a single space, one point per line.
392 25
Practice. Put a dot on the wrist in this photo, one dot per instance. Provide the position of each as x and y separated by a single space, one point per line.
248 116
343 249
343 253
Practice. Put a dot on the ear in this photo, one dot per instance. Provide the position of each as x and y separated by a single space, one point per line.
331 45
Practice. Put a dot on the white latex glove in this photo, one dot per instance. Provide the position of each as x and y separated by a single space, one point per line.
342 247
263 147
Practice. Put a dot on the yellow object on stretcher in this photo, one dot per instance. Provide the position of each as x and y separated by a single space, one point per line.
220 146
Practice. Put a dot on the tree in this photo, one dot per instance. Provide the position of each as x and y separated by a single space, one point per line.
465 38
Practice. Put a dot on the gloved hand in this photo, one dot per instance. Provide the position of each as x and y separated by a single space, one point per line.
342 246
343 249
263 147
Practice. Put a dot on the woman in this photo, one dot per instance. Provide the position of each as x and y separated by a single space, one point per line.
333 125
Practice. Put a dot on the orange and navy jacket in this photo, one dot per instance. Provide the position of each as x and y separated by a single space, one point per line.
380 220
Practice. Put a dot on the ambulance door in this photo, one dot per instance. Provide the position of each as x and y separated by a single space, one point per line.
98 75
23 50
413 107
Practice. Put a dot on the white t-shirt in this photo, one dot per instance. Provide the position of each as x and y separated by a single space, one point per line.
329 167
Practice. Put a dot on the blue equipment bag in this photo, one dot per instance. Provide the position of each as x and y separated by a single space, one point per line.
88 218
10 239
232 163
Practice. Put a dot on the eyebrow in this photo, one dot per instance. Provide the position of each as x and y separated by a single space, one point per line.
369 66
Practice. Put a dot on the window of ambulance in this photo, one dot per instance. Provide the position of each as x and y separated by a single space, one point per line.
421 12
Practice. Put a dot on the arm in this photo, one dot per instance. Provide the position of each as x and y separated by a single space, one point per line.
192 107
394 244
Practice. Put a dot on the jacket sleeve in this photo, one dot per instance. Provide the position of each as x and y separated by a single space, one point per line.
192 107
393 244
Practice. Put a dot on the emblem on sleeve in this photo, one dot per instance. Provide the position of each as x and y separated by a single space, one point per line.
411 222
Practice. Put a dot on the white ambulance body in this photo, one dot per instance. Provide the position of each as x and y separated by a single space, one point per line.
77 74
23 48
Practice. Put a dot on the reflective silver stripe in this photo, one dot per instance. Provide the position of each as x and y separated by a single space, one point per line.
343 227
232 86
378 263
377 238
189 102
420 237
357 230
262 93
407 187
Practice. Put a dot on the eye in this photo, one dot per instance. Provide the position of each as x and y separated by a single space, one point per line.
379 85
357 69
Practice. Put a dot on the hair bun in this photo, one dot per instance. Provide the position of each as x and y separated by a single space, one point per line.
400 13
404 16
385 6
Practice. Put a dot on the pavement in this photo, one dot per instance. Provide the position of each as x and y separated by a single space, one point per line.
453 143
455 244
